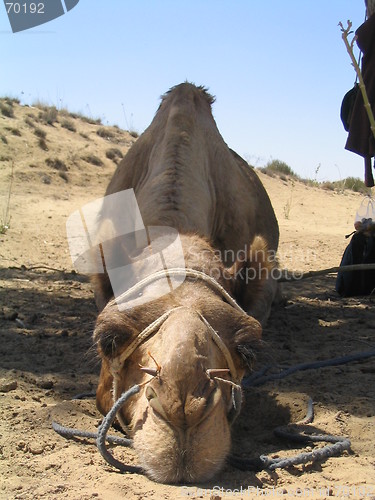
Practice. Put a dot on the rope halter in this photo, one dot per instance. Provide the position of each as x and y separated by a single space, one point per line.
118 362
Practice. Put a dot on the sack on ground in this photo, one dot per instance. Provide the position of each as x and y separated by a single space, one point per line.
361 250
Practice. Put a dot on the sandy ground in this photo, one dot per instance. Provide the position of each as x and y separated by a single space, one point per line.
47 317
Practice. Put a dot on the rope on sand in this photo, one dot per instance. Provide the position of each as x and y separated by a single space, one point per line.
259 378
101 436
68 433
104 427
289 277
292 433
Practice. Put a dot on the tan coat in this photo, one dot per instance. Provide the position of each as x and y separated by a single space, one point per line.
185 177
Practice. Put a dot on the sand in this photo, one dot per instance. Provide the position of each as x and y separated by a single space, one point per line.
47 315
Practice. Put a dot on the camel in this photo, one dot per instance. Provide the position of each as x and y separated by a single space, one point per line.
189 348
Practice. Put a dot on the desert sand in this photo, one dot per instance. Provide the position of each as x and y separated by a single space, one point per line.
47 313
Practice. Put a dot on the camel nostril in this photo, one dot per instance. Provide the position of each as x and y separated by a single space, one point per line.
154 402
157 407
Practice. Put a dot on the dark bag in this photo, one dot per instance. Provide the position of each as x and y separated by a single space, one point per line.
361 250
347 106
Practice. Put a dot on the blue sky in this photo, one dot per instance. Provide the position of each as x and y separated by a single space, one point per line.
278 70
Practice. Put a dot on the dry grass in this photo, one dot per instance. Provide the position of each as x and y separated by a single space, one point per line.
42 134
29 120
105 133
280 168
63 150
42 144
68 124
57 164
14 131
6 106
48 115
93 160
6 110
277 168
114 154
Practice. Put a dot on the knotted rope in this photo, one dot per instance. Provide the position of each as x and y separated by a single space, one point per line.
118 362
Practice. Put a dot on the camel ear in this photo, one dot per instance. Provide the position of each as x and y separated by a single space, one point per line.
246 340
254 279
113 330
249 331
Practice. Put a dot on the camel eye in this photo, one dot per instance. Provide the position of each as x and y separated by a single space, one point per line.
150 393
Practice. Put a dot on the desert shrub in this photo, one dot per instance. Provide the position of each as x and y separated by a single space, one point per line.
134 134
94 160
279 167
15 131
355 184
309 182
91 121
329 186
114 154
48 115
66 113
29 122
56 164
105 133
6 110
40 133
69 125
4 139
11 100
42 144
267 171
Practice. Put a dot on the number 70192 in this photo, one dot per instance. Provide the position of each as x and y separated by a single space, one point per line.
24 8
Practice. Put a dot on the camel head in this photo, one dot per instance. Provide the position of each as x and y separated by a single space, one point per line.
190 370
